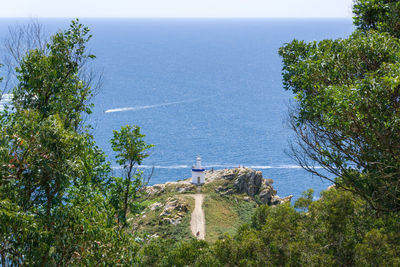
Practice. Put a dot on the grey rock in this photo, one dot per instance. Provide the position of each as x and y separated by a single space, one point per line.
220 189
227 192
276 200
155 190
248 181
185 189
266 195
173 221
155 206
165 213
173 205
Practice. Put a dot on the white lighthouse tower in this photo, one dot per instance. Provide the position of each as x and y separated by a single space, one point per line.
198 173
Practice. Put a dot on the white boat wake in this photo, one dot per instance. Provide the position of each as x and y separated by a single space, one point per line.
149 106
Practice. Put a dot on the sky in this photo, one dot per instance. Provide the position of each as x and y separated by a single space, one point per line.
176 8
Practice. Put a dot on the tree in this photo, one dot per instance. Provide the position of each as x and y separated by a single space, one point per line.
131 151
42 159
305 200
54 180
347 117
379 15
50 77
20 40
44 148
1 79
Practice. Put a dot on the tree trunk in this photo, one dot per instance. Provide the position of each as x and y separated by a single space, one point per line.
127 189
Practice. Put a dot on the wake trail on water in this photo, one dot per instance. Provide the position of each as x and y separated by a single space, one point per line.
150 106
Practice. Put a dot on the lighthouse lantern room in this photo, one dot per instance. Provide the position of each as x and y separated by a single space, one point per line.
198 173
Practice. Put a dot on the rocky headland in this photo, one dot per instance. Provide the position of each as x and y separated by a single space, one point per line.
230 197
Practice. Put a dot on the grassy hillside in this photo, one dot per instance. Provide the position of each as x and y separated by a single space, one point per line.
224 214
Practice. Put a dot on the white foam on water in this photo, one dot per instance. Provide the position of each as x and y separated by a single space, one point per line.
149 106
8 96
159 167
259 166
165 167
228 166
4 100
280 167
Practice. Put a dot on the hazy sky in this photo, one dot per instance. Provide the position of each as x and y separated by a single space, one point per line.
177 8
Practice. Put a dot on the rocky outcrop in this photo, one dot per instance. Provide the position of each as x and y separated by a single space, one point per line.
174 211
266 195
178 187
238 181
248 181
173 205
154 190
155 206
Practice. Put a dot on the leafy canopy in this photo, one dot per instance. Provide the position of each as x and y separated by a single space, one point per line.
347 118
49 79
55 183
132 150
129 144
380 15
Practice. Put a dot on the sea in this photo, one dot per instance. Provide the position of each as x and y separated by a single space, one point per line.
199 87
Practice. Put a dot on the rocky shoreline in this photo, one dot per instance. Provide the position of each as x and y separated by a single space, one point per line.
237 181
230 197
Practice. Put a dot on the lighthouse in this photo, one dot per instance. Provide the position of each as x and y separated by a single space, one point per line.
198 173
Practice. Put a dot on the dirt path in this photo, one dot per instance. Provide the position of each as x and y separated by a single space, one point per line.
198 221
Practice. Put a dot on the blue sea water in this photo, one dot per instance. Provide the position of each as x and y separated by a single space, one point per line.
201 87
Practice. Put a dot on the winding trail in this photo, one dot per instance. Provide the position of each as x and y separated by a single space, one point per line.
198 221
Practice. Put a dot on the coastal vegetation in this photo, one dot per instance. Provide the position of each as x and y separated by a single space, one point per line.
59 203
62 205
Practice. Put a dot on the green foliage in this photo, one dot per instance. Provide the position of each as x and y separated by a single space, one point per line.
376 250
130 145
43 156
338 230
18 230
260 217
132 149
347 119
59 204
316 71
347 90
305 200
54 180
225 214
49 80
160 252
85 232
380 15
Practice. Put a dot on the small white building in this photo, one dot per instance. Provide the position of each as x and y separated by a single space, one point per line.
198 173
